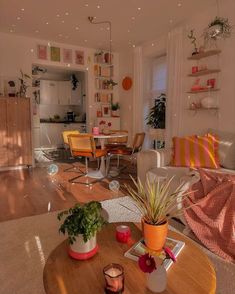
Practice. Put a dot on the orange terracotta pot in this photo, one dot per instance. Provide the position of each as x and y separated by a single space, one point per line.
154 236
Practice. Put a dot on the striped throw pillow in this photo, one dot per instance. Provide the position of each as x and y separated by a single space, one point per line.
195 151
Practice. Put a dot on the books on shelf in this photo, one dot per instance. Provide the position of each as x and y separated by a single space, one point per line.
139 249
103 97
101 71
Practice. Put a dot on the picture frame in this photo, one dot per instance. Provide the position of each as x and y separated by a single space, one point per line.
106 110
79 57
67 55
42 52
55 54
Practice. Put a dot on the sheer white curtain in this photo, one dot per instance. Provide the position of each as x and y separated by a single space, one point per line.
138 119
174 85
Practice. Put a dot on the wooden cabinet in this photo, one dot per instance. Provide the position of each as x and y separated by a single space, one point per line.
15 135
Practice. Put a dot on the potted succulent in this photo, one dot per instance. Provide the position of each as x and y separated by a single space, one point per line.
115 109
81 223
157 205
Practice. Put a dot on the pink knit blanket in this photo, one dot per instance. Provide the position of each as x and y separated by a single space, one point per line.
213 218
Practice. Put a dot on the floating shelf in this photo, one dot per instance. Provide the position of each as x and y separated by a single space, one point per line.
204 54
204 72
203 108
203 91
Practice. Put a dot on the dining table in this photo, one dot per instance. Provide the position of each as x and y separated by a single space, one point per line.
102 172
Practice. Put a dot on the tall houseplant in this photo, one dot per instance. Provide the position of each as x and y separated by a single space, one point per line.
81 223
156 120
157 205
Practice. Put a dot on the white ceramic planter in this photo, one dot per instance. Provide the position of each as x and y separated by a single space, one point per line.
157 280
81 250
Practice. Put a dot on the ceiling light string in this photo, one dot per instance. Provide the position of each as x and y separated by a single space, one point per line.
91 19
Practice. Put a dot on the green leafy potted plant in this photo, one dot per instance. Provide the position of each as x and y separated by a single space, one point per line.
81 223
156 118
23 83
115 109
157 204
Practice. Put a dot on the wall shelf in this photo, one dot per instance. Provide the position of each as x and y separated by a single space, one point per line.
204 72
204 54
203 108
203 91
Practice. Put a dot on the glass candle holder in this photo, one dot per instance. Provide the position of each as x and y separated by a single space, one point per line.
114 278
123 233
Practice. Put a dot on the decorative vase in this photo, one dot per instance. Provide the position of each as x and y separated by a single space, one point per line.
154 235
208 102
157 280
83 250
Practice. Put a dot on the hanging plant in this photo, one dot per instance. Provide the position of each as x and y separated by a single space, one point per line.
217 28
74 82
111 83
193 40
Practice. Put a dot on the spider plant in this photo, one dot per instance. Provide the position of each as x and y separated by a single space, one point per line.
155 201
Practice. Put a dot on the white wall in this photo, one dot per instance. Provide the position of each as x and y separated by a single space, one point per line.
19 52
225 120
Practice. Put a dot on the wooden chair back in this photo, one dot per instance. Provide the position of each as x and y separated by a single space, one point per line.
122 140
138 141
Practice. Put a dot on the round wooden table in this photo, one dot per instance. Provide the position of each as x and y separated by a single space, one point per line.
191 274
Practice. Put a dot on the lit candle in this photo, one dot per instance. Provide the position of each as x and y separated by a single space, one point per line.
114 278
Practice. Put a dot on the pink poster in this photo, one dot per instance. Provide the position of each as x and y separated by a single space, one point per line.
79 57
42 52
67 55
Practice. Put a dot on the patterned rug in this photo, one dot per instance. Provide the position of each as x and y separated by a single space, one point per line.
26 244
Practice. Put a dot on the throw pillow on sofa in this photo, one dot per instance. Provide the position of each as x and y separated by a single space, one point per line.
195 152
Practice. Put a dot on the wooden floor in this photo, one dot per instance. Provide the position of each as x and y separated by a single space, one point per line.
32 191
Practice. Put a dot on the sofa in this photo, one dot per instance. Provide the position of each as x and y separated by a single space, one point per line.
155 164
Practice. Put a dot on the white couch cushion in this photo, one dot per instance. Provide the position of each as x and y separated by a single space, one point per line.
226 148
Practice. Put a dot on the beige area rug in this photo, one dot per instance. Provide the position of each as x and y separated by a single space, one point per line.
26 244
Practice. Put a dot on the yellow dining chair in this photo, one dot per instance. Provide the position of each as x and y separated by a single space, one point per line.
83 145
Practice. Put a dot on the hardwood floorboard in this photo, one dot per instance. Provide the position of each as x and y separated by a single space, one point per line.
30 192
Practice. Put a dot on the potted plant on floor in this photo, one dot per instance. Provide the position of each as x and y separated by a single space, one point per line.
81 223
157 205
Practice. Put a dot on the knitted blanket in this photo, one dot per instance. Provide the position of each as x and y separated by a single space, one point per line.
212 219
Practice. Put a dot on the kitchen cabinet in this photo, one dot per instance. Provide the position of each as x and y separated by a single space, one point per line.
59 93
64 92
49 92
15 135
51 133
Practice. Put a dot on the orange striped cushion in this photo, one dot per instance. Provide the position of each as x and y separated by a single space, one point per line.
195 151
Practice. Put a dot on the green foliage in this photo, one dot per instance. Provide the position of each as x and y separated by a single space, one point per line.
115 106
193 39
156 116
82 219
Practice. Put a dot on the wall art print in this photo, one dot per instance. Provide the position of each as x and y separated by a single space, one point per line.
67 56
55 54
79 57
42 52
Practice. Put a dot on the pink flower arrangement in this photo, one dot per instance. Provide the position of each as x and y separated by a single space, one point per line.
148 264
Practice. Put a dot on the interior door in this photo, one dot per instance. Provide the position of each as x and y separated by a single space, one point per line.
3 133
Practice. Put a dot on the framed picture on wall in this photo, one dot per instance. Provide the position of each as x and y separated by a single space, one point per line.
55 53
42 52
67 55
79 57
106 111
